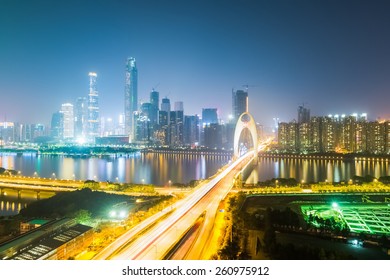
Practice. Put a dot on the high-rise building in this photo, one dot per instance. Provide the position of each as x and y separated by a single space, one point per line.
154 100
6 132
80 120
131 95
303 114
209 116
57 126
288 136
165 104
68 120
179 123
213 136
240 103
191 130
93 109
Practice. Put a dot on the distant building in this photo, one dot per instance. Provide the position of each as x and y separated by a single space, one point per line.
239 103
131 95
288 136
80 119
303 114
336 133
154 100
68 120
112 140
209 116
213 136
7 132
57 126
191 130
93 109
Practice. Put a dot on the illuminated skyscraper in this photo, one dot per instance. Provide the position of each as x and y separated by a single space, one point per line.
93 109
68 120
131 95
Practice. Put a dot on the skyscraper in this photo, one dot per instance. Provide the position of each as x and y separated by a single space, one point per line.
154 100
93 109
209 115
68 120
80 120
303 114
240 103
131 95
166 105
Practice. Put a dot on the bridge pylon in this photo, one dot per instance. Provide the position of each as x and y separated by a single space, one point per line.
246 121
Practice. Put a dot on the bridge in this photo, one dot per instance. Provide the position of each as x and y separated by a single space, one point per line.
20 184
156 236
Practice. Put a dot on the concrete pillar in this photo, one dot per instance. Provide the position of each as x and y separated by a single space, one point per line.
19 194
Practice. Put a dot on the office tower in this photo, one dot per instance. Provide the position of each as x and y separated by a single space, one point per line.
209 115
93 109
162 134
81 116
131 95
179 109
142 133
120 129
179 106
57 126
303 114
240 103
165 105
154 100
191 130
68 120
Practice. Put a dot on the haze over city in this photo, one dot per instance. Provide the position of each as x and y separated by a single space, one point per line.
331 55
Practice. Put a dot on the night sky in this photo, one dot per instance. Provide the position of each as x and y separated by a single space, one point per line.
331 55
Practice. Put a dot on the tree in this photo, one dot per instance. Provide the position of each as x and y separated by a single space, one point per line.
83 216
91 184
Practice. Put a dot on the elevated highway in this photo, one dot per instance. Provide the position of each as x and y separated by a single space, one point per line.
157 241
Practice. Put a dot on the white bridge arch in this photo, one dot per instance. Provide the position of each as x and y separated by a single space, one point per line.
245 121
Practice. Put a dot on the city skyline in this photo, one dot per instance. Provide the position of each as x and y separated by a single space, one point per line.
331 55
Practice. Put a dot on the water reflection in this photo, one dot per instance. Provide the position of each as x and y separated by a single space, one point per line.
151 168
311 170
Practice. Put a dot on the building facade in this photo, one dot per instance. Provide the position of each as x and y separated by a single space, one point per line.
239 103
93 109
131 95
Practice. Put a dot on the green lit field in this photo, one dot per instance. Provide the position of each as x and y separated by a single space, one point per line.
371 218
